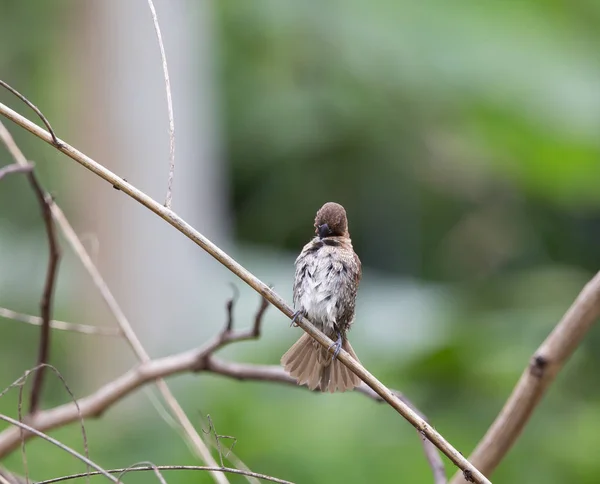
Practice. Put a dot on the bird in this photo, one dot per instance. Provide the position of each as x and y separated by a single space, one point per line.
327 276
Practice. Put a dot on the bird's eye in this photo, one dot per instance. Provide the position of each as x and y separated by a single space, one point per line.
324 231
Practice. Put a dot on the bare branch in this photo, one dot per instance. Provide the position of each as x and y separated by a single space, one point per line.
181 225
169 106
64 447
543 367
60 325
14 168
98 402
117 312
264 477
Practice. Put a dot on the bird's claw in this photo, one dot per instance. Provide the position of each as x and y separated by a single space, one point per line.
337 347
294 317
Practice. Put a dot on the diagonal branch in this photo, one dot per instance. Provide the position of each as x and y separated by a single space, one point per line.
470 472
543 367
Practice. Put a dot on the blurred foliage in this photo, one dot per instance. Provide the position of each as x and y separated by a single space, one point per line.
416 116
28 63
462 137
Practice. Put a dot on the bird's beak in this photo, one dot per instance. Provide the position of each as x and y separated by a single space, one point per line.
323 231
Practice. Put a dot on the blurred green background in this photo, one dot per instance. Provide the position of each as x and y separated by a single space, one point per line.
462 138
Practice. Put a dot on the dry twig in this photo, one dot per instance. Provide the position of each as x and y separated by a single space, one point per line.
163 57
11 89
256 475
213 430
45 202
173 219
540 373
60 325
20 383
31 430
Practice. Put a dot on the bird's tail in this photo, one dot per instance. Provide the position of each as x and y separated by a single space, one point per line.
311 364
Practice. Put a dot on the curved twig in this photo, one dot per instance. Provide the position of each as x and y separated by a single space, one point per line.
163 57
264 477
64 447
34 108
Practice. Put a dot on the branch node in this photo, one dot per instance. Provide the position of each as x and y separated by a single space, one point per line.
55 140
203 363
118 188
468 475
539 364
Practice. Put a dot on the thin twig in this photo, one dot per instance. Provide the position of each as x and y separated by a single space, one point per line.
45 202
29 429
22 434
213 430
20 383
264 305
60 325
144 465
434 461
124 324
164 414
543 367
6 86
169 106
175 468
14 168
181 225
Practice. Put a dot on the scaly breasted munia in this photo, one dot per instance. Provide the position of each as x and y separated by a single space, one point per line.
327 276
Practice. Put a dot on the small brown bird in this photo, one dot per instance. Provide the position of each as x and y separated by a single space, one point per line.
327 276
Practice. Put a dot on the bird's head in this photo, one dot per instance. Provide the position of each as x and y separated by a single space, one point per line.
331 221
